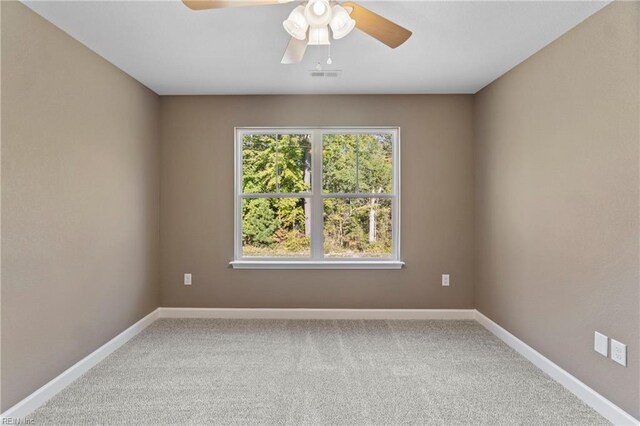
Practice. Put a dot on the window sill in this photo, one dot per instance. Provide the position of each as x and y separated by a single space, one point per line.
344 264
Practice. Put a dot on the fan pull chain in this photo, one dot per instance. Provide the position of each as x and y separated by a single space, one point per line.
329 61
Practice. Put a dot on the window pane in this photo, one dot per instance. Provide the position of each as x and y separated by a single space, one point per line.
275 227
274 163
339 163
357 163
375 163
258 163
357 227
294 163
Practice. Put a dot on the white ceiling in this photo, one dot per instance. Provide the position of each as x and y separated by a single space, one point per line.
456 47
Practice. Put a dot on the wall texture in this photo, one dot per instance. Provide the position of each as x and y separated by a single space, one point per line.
557 200
198 191
80 194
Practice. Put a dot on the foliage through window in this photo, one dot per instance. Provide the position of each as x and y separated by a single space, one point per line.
317 194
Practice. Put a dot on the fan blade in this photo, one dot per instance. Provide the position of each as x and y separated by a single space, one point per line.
295 51
219 4
382 29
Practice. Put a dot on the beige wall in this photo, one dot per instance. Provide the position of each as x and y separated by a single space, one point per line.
80 195
557 189
197 203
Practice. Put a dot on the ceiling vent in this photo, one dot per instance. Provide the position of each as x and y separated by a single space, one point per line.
325 73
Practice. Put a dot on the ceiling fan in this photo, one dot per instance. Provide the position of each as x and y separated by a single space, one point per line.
309 23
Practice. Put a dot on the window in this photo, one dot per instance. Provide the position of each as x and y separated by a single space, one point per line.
317 198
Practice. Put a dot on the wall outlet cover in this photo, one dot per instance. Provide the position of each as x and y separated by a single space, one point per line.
601 344
445 280
619 352
187 279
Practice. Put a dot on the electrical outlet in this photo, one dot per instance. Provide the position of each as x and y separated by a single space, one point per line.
619 352
187 279
445 280
601 344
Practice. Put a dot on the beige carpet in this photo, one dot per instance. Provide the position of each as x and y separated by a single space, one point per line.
315 372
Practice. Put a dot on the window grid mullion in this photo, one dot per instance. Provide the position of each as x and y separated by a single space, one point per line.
277 177
357 163
317 209
276 195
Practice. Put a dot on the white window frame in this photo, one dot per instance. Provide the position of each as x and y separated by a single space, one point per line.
316 260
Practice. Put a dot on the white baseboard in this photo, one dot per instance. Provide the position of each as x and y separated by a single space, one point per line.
326 314
46 392
590 397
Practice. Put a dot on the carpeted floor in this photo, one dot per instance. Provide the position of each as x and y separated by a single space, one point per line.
315 372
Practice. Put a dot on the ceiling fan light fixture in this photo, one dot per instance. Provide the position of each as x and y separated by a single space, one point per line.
311 22
296 24
319 8
319 36
341 23
318 13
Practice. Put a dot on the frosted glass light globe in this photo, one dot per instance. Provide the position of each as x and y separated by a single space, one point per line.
319 8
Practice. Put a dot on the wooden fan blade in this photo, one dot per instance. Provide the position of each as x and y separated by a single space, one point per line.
382 29
295 51
220 4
